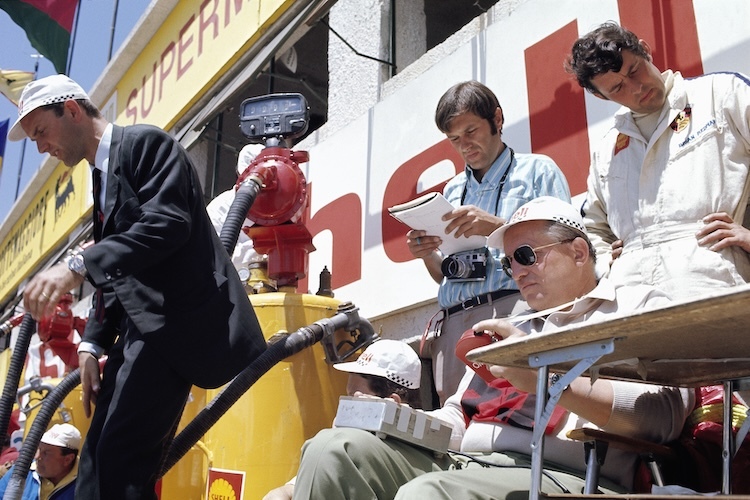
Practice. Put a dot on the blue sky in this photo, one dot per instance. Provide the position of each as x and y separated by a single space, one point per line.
90 53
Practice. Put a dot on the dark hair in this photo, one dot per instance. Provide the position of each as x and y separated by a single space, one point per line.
600 51
87 106
383 388
68 451
561 232
467 97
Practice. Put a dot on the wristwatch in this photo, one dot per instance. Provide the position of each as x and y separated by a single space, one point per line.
77 265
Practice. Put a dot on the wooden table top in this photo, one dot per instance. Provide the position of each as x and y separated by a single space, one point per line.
689 343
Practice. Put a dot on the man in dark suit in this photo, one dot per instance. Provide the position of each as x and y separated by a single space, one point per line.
169 311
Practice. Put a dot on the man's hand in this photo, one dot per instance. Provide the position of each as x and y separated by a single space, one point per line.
425 247
420 244
500 327
720 232
281 493
523 379
469 220
90 380
590 400
44 290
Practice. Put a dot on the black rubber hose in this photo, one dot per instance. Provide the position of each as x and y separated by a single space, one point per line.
237 214
292 344
50 404
17 360
217 407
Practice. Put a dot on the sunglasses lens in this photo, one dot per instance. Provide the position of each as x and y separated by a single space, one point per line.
525 255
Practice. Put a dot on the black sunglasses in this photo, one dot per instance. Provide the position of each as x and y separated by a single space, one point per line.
526 256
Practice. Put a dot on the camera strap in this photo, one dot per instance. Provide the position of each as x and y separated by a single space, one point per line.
501 183
433 328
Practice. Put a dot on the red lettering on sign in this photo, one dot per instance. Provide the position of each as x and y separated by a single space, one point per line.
227 13
130 110
343 217
180 48
669 27
183 64
207 20
557 110
164 67
145 110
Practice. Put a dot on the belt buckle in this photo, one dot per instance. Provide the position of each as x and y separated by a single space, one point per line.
470 303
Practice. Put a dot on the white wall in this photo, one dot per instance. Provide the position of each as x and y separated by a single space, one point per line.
361 155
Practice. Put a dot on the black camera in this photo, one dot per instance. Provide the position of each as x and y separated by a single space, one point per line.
470 265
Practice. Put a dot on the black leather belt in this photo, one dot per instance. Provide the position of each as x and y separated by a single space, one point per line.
479 300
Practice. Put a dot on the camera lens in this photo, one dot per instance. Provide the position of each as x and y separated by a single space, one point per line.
453 268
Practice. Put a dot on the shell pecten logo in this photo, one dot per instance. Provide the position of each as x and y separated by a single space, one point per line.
225 484
221 490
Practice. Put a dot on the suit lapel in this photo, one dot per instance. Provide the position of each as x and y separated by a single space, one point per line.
113 174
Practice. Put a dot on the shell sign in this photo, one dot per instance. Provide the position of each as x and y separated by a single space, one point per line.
224 484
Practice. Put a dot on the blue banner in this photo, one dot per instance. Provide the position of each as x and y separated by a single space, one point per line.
3 139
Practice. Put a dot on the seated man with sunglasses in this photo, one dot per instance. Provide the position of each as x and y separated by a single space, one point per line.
549 256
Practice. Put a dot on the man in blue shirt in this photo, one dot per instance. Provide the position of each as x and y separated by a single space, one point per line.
495 182
56 466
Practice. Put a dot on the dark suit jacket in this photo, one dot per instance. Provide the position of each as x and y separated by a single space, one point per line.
162 264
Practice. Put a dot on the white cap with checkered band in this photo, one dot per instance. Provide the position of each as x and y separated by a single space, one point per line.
43 92
542 208
392 359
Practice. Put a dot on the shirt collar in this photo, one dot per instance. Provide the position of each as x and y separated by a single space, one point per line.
494 173
101 160
603 291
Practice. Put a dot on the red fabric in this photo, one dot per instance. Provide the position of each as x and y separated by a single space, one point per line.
48 25
699 464
13 424
500 402
493 399
703 441
8 455
62 11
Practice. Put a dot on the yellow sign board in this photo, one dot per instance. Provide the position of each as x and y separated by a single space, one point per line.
59 206
196 45
199 41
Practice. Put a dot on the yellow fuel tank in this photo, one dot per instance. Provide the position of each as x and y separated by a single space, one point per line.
70 410
255 446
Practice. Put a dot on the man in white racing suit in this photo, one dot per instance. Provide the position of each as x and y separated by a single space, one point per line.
670 178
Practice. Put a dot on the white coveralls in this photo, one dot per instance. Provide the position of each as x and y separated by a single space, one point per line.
653 195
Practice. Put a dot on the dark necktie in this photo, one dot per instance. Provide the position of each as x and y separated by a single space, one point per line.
98 222
98 214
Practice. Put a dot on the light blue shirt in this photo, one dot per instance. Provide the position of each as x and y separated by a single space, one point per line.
530 176
32 487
